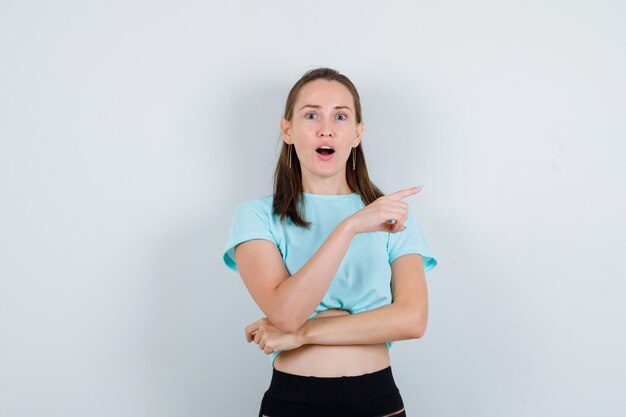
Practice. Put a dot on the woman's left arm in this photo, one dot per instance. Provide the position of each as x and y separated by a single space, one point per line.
406 318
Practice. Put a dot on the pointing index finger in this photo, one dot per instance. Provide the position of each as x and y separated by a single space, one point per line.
404 193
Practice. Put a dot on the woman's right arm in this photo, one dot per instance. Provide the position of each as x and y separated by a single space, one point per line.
289 301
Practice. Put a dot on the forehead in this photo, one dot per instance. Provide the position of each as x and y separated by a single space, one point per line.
322 92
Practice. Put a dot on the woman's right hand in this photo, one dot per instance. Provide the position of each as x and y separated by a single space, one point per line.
375 216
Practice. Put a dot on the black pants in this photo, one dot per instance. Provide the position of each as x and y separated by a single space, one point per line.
369 395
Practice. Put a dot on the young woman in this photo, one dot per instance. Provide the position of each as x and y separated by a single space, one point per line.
336 265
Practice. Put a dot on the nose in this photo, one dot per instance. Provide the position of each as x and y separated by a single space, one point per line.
325 129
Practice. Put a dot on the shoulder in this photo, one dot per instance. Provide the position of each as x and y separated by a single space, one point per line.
262 207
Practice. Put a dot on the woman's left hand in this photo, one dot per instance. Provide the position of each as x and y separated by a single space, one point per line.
270 338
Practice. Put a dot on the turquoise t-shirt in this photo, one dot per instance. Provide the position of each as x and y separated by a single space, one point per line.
363 279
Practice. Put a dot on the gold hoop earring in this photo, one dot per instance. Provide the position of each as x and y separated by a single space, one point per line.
353 159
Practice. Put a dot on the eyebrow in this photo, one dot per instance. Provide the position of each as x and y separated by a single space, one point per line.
319 107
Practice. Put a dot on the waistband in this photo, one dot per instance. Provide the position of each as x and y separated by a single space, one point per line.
344 389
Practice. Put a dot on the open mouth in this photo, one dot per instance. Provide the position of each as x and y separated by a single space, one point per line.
325 150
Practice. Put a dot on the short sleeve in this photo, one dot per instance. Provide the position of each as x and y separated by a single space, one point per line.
250 221
411 240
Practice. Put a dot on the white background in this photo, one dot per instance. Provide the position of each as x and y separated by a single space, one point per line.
129 130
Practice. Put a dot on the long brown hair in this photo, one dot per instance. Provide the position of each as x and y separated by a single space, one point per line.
288 181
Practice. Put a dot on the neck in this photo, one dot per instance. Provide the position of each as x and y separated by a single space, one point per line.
335 184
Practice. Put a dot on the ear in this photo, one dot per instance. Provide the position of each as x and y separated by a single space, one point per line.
360 127
285 130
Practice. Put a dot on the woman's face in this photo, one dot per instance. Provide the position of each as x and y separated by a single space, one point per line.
323 114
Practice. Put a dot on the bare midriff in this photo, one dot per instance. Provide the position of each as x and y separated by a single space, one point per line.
332 361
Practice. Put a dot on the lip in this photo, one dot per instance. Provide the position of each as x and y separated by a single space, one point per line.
329 144
325 157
